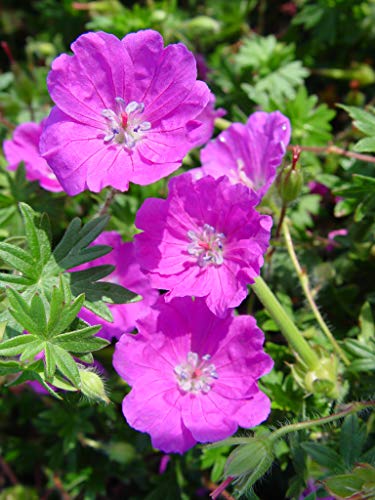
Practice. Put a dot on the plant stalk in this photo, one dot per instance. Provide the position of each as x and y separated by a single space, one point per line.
286 325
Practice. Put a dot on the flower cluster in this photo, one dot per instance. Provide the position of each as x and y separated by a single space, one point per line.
129 111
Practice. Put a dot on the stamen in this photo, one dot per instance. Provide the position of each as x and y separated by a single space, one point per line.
196 375
124 126
207 246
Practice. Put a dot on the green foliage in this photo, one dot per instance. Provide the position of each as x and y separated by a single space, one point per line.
274 73
310 121
365 122
38 269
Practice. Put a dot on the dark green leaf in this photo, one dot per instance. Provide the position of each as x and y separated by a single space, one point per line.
71 251
324 456
352 439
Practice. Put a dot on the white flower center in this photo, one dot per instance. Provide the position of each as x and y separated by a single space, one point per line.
195 374
207 246
125 125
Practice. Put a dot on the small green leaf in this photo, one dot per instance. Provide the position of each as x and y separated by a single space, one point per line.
67 316
9 367
38 233
32 349
21 311
50 362
84 345
16 279
38 312
66 364
352 440
15 346
19 259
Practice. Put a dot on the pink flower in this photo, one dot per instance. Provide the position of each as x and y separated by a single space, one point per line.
202 134
250 153
24 147
124 111
206 240
193 375
127 274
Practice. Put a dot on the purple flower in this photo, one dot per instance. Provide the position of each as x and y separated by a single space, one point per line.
126 274
193 375
24 147
206 240
250 153
312 488
318 188
124 111
331 238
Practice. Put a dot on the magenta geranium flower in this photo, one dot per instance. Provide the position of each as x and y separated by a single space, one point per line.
24 147
127 274
205 240
193 375
125 111
250 153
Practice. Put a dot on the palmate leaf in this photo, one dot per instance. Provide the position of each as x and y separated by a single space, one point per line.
274 72
53 332
39 269
310 122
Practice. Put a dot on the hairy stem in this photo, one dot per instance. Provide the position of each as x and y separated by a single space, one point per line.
355 407
305 283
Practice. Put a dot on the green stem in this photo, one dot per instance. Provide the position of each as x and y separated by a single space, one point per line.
286 325
222 124
351 408
304 280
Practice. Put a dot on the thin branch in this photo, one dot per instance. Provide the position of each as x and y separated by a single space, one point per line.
8 471
335 150
305 283
107 202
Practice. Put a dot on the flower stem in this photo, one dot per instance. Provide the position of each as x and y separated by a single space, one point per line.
107 202
222 124
304 280
286 325
355 407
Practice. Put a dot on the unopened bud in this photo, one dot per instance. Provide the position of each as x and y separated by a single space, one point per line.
323 379
289 183
251 460
92 385
203 26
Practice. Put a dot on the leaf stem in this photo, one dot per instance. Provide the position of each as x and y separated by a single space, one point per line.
107 202
286 325
305 283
